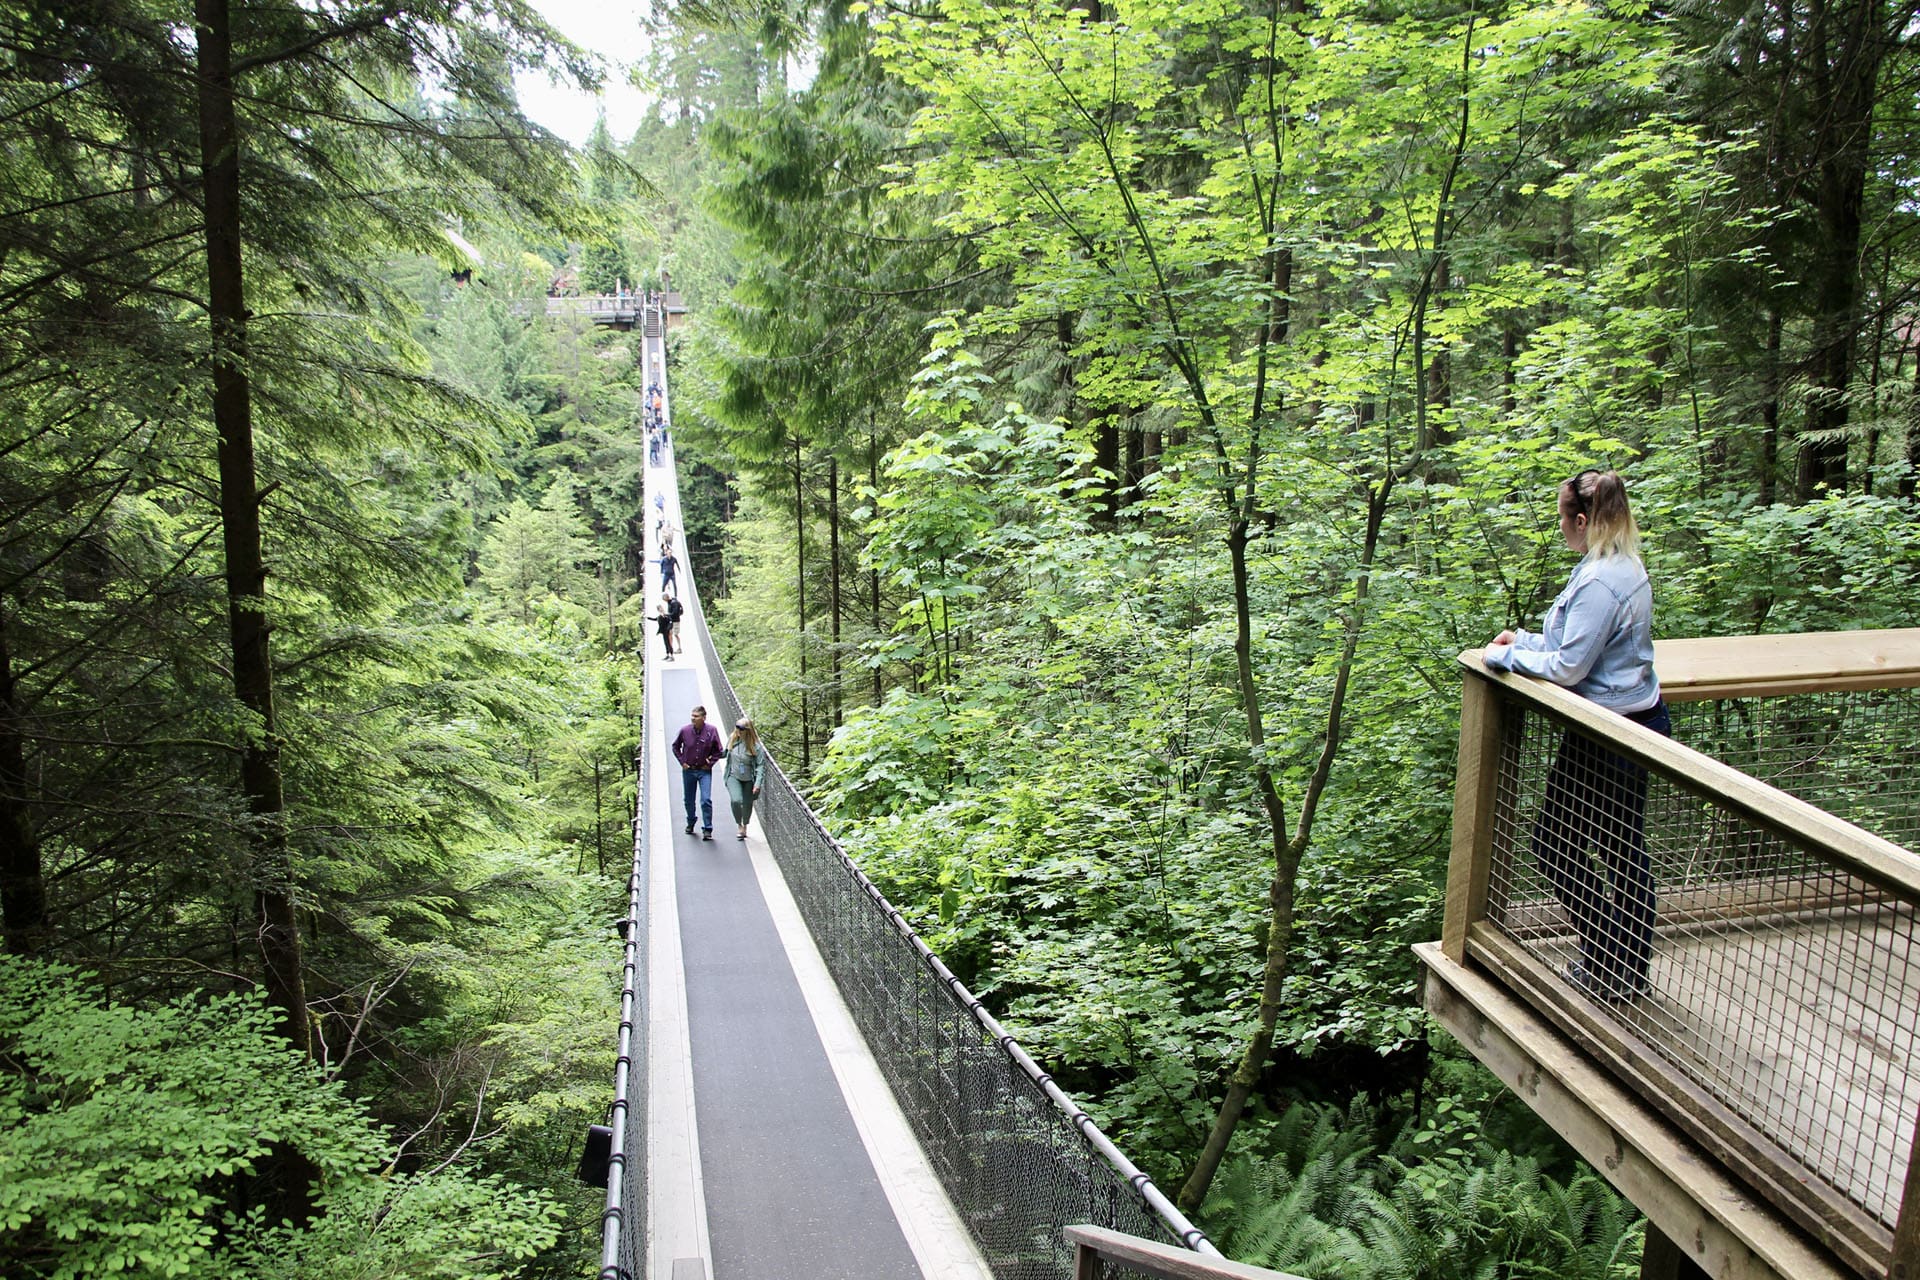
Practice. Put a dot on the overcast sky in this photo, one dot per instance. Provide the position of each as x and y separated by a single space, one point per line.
610 28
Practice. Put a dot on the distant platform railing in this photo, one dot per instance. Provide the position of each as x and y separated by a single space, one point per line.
1726 921
601 308
625 309
1019 1159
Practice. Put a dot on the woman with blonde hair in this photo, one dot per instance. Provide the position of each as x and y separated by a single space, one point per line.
1597 640
746 769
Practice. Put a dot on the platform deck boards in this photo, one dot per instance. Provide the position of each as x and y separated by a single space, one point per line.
1806 1030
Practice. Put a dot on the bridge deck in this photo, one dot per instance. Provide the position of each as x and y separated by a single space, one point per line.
1801 1038
775 1149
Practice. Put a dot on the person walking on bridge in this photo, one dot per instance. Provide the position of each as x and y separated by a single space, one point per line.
663 622
697 748
746 770
1597 640
668 565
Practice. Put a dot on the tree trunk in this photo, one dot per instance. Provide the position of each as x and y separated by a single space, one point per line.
1133 464
279 931
1509 368
1770 413
833 580
1280 891
1845 45
1439 375
800 586
1876 356
1106 456
1910 482
23 887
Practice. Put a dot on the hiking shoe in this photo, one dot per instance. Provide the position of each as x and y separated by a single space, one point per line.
707 834
689 828
1606 988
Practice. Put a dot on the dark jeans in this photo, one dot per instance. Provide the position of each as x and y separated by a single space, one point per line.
698 782
1596 803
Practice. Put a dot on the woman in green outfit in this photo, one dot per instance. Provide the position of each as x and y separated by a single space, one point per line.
746 769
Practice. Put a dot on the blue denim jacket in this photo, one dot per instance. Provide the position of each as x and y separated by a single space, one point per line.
1597 638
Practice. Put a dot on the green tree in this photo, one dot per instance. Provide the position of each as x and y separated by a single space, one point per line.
123 1132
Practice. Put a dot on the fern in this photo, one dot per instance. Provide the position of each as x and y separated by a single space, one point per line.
1323 1201
1289 1209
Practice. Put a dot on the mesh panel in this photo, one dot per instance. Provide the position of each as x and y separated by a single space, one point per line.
1780 984
1019 1161
623 1238
1850 753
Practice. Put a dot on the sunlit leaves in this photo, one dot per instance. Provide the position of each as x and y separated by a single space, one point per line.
123 1129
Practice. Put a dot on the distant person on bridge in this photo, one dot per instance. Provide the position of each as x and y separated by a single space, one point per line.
674 610
668 564
663 622
1597 640
697 748
746 770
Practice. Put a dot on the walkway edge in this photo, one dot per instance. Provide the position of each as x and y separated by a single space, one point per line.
934 1231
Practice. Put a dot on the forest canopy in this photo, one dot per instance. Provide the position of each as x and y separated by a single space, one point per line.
1100 426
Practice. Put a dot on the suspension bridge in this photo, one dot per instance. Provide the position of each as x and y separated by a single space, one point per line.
804 1090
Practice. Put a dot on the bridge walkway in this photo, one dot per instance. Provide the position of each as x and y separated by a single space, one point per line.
775 1149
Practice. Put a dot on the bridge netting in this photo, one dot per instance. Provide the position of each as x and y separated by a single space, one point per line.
1019 1159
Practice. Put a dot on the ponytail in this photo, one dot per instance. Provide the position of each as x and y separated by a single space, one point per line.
1601 496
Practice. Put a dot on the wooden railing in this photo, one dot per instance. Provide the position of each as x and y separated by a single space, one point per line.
1098 1252
602 308
1779 1024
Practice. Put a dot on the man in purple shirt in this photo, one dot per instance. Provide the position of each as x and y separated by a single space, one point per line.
697 747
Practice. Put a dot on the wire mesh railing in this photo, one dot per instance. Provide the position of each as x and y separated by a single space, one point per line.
1018 1157
623 1236
1754 960
1849 752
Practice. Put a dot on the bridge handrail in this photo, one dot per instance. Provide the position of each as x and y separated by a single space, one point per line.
1837 840
1163 1214
1713 667
1739 865
622 1233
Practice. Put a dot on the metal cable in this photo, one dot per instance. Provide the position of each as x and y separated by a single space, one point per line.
623 1235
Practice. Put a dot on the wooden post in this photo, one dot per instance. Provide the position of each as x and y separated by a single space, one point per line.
1473 796
1906 1235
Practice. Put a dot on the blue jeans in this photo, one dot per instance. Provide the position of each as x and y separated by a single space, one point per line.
698 782
1596 803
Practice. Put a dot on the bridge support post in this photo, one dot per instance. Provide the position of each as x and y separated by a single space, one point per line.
1473 801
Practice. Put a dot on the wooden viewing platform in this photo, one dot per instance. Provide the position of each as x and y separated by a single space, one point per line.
1758 1101
622 310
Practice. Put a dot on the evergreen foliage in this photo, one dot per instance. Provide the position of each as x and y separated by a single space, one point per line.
1101 427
